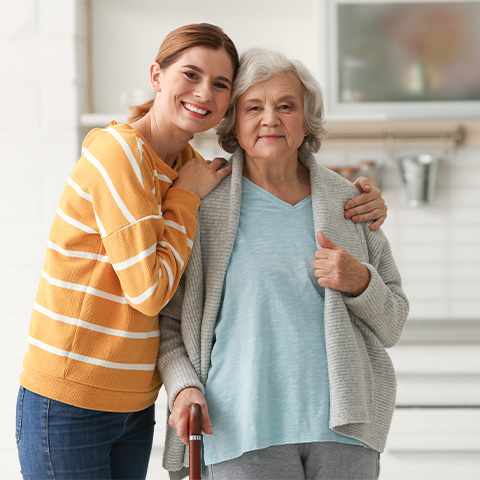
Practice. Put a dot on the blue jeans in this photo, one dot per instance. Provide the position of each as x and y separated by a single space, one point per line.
60 442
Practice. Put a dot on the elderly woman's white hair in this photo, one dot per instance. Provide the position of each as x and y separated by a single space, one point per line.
258 65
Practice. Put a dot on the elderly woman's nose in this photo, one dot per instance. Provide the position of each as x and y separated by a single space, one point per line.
270 116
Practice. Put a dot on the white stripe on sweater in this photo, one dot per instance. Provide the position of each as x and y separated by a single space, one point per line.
142 297
88 197
123 208
180 228
140 143
175 253
75 223
100 226
128 152
78 254
137 258
90 360
161 177
93 327
82 288
150 217
169 272
80 192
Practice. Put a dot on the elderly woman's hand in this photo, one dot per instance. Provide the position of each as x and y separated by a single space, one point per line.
179 418
336 268
369 205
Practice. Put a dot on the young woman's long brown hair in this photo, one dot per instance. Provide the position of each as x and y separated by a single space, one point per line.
179 40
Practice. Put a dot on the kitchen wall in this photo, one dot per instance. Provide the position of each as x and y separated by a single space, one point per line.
435 245
44 90
39 143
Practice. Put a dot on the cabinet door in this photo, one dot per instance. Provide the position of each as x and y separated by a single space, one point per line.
403 58
433 443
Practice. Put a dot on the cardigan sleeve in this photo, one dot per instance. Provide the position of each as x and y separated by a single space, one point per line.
176 370
176 332
383 306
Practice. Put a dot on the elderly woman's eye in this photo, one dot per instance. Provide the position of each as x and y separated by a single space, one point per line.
285 107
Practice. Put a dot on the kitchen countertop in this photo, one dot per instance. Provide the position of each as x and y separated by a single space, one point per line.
441 332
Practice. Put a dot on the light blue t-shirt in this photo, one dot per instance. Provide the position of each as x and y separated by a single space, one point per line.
268 379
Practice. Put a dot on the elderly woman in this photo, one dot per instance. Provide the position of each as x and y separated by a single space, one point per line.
281 337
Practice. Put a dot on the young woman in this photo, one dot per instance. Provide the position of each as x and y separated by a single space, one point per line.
118 246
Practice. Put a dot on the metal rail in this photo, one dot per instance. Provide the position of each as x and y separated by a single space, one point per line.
457 136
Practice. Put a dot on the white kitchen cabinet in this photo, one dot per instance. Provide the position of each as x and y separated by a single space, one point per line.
431 443
435 432
403 58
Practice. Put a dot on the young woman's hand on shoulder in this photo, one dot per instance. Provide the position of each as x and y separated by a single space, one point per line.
202 177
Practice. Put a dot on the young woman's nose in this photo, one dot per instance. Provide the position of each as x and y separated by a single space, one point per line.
204 92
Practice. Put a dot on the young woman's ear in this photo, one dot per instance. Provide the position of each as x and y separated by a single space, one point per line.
155 76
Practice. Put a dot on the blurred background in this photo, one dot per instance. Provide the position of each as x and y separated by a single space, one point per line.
402 92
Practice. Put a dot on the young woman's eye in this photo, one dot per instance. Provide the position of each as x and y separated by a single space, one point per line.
220 85
191 75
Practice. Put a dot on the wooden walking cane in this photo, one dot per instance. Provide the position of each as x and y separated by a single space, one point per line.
195 442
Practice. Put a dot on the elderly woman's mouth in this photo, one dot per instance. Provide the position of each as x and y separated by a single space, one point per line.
192 108
271 137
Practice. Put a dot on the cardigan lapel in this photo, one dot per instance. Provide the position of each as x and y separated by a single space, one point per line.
221 214
320 200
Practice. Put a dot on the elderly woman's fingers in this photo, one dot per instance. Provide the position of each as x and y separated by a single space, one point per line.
335 268
179 418
182 428
206 423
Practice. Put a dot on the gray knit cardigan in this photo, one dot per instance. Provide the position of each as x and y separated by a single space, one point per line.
357 329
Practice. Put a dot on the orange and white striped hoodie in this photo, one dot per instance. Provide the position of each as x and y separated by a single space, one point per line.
119 243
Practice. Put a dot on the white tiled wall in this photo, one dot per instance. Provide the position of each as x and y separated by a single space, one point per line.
436 247
39 144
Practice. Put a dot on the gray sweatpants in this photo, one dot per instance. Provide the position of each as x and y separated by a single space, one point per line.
301 461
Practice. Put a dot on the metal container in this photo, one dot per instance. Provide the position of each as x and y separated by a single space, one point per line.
419 175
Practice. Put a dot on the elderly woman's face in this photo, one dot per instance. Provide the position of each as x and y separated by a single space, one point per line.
270 118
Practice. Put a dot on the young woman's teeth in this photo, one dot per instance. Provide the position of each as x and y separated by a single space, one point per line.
195 109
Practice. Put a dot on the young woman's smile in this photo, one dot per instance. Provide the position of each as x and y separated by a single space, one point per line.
196 109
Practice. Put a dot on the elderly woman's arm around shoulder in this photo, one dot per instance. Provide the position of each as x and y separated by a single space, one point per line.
372 290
